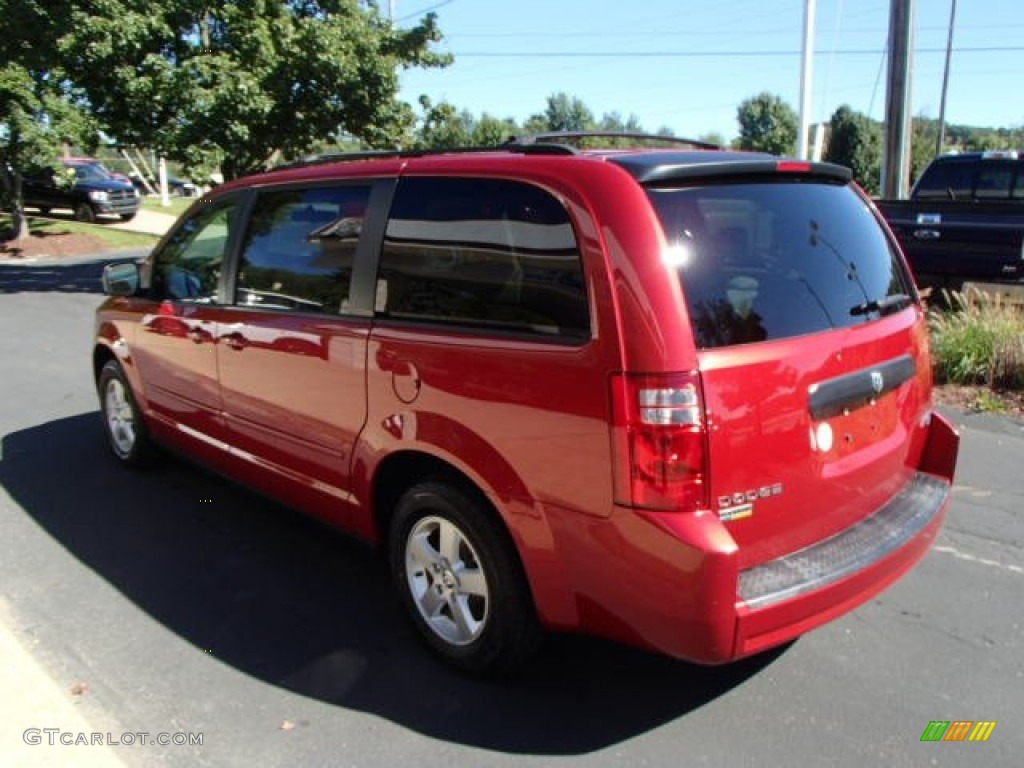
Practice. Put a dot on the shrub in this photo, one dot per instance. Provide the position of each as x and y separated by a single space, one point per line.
979 339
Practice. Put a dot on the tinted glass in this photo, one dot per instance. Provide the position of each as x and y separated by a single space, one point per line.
91 172
188 267
949 179
300 247
484 253
774 260
1018 183
994 179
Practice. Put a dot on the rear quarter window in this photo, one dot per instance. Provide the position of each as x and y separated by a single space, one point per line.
482 254
773 260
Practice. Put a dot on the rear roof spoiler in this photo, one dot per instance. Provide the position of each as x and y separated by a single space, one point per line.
660 167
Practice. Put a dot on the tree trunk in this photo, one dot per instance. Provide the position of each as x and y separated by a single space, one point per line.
13 193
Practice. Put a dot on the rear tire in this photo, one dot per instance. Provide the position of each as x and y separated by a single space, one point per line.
122 420
460 580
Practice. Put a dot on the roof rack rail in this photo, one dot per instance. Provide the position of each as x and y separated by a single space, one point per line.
550 143
512 145
538 138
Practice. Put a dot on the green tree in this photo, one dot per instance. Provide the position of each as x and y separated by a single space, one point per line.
489 131
40 112
36 121
713 137
855 140
924 135
563 113
443 126
244 82
767 124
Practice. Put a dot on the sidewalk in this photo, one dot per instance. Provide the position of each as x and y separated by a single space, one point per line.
30 702
147 222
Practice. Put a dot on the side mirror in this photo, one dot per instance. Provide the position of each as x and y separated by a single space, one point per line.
121 279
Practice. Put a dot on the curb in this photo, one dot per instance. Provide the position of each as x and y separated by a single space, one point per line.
33 701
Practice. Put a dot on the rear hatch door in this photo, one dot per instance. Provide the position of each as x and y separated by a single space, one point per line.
811 353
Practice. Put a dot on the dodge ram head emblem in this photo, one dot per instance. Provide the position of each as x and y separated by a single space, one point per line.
877 381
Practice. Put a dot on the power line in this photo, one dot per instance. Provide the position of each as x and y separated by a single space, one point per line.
710 54
787 30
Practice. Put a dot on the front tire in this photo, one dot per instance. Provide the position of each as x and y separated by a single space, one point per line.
122 419
460 580
127 216
85 213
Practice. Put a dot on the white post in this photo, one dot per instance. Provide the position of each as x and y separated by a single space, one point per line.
806 79
819 142
162 165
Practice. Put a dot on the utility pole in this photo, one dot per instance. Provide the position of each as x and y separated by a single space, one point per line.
806 79
945 83
896 152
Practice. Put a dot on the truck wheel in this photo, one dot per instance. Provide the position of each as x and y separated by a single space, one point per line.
460 580
85 212
122 420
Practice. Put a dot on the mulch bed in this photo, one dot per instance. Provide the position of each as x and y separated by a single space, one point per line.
50 245
976 399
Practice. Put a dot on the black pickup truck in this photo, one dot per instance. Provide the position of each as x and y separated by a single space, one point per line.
89 191
964 220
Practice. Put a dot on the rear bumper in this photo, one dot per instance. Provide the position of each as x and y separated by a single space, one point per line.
784 598
672 583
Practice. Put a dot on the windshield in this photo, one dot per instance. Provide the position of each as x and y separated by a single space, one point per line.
91 172
762 261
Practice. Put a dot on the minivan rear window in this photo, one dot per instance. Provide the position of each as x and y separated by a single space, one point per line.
772 260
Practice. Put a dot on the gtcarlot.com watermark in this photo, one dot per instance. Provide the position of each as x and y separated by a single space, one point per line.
55 736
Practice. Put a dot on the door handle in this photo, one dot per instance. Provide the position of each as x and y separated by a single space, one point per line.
927 234
236 341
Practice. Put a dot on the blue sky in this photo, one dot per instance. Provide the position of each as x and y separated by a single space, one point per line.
687 64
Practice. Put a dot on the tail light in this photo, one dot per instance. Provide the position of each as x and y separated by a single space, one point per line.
659 441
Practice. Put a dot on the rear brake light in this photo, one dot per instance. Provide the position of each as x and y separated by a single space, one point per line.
792 166
659 440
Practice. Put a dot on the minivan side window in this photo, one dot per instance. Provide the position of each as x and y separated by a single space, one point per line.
188 267
299 248
489 254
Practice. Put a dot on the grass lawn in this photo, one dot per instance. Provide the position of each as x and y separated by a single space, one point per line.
108 238
176 208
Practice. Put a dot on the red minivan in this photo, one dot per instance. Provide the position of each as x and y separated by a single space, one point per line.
680 398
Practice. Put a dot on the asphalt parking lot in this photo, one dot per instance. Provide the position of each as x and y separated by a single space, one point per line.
171 601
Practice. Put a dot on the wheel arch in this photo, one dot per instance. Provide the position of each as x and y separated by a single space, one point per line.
110 344
101 355
520 523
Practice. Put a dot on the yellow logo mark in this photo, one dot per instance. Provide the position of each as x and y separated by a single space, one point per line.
982 730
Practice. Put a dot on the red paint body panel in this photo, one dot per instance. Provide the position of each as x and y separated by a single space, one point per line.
310 407
292 388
